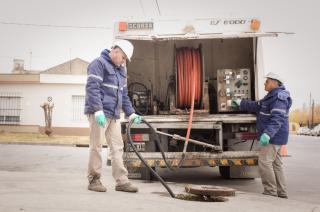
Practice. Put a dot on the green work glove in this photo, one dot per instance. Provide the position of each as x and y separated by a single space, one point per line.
264 139
235 103
100 118
136 118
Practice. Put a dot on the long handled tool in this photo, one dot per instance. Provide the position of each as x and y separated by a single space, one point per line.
178 137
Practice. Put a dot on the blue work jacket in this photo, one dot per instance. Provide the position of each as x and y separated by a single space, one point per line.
272 114
106 88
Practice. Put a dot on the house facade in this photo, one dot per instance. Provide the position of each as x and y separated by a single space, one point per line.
23 92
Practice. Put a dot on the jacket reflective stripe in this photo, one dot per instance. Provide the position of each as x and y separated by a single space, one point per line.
280 110
265 114
111 86
95 76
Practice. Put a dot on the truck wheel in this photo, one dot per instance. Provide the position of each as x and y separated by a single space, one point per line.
224 172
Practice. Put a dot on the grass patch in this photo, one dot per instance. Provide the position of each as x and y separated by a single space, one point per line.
38 138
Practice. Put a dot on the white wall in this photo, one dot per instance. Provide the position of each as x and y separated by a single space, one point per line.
33 95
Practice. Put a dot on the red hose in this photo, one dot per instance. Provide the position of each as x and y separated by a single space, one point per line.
188 71
188 82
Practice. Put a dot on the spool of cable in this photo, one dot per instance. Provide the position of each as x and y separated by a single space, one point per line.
188 63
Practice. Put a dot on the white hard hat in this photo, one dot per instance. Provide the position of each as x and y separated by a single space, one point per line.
125 46
274 76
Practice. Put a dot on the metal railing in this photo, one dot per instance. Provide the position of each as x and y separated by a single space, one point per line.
10 108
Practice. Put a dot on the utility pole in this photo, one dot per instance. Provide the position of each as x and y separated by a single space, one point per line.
301 114
312 113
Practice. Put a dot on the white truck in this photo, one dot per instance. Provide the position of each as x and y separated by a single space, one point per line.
223 58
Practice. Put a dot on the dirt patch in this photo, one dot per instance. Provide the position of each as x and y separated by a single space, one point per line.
38 138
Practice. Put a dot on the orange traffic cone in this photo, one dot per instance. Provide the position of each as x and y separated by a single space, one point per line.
284 151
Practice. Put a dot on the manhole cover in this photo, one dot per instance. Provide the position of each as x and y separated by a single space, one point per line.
212 191
200 198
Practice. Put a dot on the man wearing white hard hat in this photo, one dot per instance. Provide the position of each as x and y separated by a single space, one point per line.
273 130
106 94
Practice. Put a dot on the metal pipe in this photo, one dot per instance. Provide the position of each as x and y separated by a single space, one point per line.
178 137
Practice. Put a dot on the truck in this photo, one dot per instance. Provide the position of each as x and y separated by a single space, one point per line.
211 61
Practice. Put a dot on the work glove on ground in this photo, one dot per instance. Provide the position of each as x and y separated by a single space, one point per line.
100 118
264 139
235 103
136 118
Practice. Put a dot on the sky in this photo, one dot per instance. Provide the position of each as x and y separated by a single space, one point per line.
294 57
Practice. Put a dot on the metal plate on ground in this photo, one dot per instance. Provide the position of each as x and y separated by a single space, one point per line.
208 190
191 197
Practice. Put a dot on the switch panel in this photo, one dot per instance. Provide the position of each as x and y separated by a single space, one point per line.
232 84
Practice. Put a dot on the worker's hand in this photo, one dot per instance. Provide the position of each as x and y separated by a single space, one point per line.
136 118
264 139
100 118
235 103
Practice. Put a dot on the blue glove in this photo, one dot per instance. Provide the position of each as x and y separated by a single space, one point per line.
136 118
100 118
264 139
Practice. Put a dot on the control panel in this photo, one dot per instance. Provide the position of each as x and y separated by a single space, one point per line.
232 84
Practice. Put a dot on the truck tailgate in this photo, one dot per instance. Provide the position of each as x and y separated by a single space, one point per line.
202 117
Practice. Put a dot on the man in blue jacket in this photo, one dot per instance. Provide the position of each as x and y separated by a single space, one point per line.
273 130
106 94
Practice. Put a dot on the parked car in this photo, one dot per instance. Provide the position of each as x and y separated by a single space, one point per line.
315 131
303 131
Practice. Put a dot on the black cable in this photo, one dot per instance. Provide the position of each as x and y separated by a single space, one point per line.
144 162
239 142
158 7
158 143
252 144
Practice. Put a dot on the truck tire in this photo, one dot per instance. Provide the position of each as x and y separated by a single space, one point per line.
224 172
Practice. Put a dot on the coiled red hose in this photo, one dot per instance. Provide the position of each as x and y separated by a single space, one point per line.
188 72
189 83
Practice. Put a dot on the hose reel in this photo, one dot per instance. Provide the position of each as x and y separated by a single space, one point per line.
188 69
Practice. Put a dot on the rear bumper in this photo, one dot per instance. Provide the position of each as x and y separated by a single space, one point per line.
193 159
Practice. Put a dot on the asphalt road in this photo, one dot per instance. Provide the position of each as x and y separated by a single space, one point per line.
53 178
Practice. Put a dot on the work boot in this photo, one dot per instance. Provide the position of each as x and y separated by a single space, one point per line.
96 185
267 193
283 196
127 187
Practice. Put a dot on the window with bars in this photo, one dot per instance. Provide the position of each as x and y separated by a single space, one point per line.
10 108
78 108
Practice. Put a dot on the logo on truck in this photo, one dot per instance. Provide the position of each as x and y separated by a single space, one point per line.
228 22
140 25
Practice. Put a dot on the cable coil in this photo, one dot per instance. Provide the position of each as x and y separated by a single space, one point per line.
188 63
